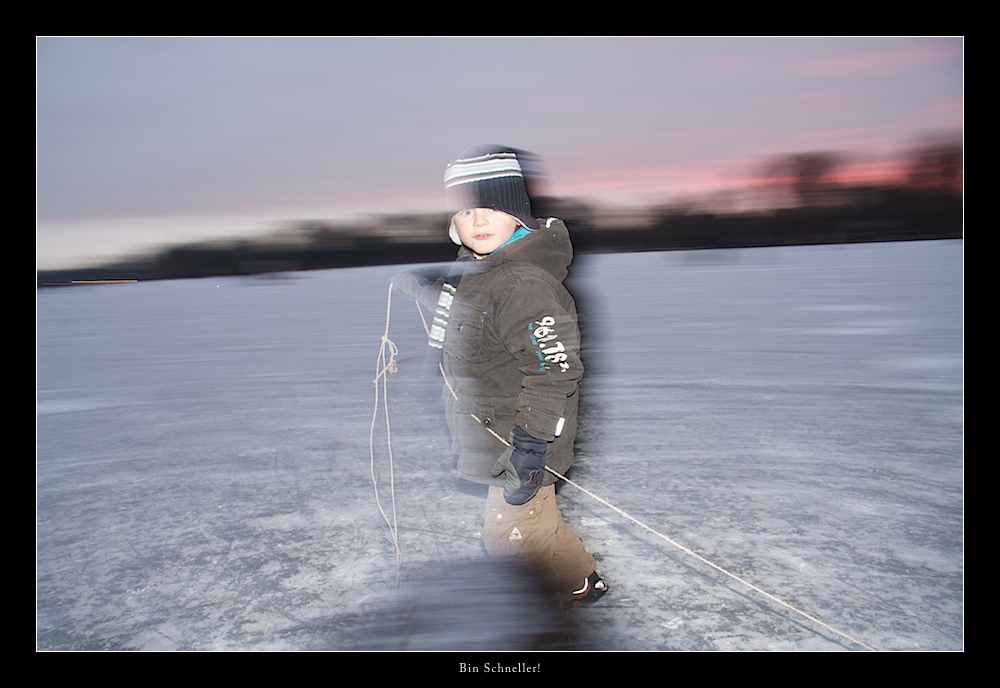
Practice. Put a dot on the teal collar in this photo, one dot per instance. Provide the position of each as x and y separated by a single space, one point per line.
520 232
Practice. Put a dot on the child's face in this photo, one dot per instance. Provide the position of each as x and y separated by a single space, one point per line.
484 230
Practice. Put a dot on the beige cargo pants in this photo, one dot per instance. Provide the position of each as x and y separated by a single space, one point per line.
537 532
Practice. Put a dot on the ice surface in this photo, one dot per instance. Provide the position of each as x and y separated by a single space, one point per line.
795 415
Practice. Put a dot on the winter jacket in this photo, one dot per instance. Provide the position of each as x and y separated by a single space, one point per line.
511 352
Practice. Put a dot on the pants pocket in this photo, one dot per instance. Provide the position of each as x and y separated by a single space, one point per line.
512 530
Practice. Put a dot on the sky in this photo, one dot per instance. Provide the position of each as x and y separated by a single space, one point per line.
145 142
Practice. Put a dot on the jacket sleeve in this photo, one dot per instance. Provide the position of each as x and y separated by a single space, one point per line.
541 331
424 285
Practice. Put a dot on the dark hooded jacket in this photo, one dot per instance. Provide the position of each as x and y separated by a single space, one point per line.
511 352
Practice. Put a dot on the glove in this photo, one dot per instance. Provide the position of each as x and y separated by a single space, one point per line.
523 467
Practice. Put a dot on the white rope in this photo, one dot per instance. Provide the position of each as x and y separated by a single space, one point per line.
715 566
384 368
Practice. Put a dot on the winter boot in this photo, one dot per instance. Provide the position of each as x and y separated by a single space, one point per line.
592 589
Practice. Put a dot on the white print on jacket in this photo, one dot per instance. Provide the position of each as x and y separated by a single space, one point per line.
548 348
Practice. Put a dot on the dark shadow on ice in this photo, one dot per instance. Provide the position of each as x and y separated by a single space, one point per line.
464 605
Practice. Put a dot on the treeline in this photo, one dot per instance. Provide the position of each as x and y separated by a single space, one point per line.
805 203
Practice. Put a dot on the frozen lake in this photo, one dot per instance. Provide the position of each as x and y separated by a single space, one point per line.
794 415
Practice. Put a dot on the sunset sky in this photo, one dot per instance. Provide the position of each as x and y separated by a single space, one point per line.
148 141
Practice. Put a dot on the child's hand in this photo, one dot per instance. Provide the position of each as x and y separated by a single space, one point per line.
409 284
523 467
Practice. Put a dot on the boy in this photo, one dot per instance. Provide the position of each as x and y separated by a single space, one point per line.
510 343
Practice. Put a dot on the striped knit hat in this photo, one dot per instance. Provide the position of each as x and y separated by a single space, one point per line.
488 176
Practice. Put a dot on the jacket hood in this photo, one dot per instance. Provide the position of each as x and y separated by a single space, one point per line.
548 247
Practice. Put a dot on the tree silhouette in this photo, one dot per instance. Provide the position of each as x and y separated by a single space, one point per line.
938 166
805 175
